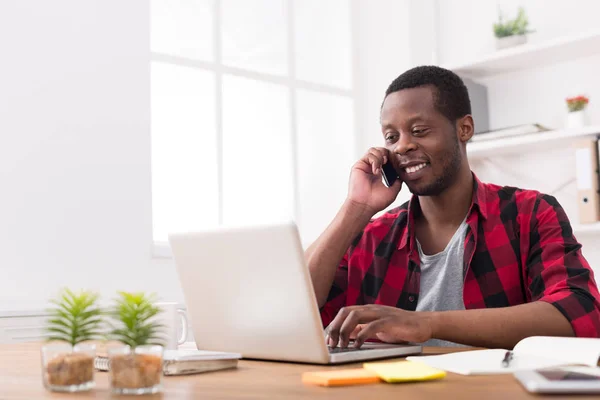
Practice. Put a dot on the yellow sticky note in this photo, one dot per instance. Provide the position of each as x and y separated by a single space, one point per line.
341 377
404 371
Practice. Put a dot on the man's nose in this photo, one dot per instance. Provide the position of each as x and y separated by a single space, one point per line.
404 144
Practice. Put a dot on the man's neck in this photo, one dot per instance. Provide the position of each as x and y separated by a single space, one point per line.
451 206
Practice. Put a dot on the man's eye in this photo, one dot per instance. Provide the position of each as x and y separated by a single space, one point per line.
391 138
419 131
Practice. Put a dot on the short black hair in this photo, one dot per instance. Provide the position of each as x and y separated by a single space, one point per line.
450 95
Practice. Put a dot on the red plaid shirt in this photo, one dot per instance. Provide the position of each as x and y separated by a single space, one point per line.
519 248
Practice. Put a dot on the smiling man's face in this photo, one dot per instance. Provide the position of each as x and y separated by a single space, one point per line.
426 144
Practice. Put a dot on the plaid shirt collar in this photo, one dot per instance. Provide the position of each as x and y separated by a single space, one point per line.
478 202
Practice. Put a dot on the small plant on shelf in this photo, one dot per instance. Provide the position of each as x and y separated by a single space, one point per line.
577 116
136 368
511 32
512 27
577 103
75 319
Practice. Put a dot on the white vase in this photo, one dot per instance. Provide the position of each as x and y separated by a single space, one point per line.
577 119
510 41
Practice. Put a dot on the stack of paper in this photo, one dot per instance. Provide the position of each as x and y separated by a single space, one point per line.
184 362
508 132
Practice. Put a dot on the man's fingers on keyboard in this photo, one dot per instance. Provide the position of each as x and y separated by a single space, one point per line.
356 331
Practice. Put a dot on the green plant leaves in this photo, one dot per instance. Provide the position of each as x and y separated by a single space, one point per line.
517 26
135 313
76 317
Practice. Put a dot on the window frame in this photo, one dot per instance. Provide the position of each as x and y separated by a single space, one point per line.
161 249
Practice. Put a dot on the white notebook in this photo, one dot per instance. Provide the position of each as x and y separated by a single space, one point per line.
185 360
189 361
531 353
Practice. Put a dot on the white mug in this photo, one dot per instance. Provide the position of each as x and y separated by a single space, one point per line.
175 324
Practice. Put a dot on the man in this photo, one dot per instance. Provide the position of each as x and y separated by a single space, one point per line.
463 262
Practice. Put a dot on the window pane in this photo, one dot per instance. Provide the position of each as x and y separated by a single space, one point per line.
257 155
255 35
325 156
184 150
182 28
323 42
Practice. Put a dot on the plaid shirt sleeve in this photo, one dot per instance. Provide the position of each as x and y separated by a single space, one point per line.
337 294
351 272
557 271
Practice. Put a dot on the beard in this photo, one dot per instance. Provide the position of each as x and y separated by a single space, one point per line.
450 167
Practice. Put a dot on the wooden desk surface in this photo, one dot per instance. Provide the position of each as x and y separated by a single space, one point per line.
20 378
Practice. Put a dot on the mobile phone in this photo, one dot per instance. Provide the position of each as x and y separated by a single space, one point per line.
560 380
390 175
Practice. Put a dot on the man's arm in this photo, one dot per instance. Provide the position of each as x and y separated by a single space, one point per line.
367 195
324 255
492 327
565 299
500 327
557 272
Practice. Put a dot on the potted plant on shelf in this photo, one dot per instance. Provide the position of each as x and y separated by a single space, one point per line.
75 319
136 367
577 116
511 32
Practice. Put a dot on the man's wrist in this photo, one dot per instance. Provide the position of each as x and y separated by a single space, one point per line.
435 320
357 210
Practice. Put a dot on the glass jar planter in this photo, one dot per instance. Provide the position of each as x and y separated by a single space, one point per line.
67 368
136 371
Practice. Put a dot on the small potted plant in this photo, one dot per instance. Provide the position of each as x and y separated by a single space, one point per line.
136 367
69 366
513 32
577 117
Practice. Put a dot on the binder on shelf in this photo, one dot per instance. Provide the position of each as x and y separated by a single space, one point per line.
586 160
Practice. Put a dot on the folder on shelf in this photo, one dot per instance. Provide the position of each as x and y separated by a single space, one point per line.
586 162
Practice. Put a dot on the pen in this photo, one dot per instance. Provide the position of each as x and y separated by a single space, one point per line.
507 358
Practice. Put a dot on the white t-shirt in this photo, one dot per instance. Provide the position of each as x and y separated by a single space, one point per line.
442 279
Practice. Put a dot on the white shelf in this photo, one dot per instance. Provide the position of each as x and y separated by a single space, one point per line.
586 229
530 55
532 142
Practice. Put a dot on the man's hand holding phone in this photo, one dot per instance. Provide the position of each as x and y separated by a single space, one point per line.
366 187
367 195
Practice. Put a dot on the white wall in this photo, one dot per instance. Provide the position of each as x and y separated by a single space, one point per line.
75 150
536 94
465 26
398 35
75 208
75 153
382 53
533 95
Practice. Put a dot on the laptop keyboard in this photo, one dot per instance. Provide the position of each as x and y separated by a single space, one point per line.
335 350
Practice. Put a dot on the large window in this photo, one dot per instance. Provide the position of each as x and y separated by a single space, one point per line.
252 112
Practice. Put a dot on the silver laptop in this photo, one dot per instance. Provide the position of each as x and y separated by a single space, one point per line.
248 290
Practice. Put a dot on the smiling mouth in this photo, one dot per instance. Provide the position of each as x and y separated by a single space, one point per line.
414 168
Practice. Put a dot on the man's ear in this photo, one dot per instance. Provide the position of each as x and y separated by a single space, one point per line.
465 128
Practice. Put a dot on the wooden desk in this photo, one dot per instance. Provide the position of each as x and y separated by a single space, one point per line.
20 378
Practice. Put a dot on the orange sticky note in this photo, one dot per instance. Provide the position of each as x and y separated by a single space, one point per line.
341 377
